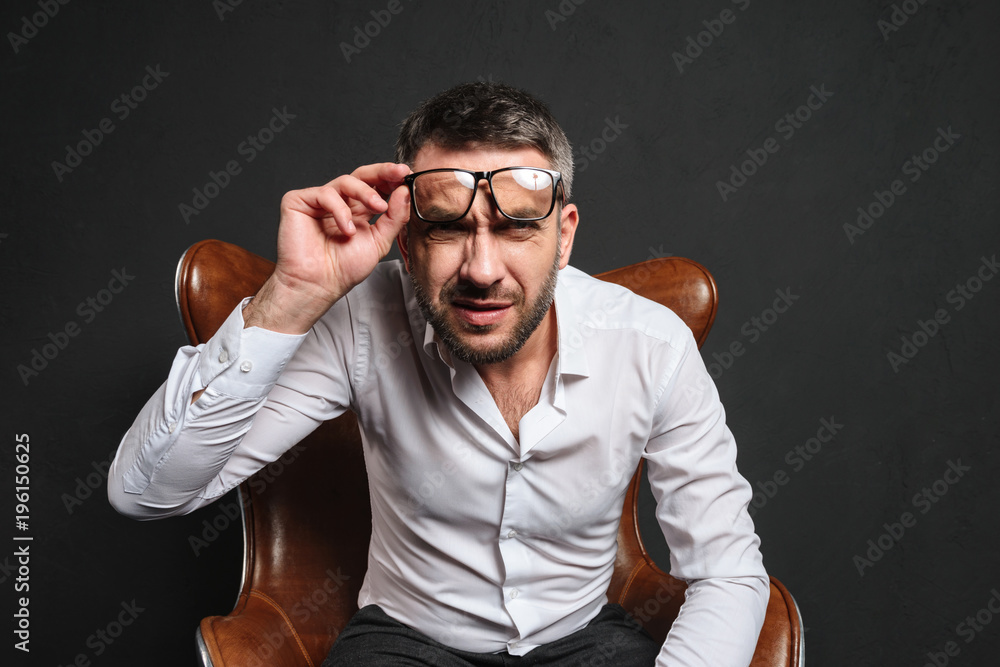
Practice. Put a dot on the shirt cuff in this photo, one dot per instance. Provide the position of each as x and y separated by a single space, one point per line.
244 362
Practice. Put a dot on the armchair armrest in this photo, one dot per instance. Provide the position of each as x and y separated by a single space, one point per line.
257 633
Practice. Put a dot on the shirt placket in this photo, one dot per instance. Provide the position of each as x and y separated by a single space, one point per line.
513 551
519 600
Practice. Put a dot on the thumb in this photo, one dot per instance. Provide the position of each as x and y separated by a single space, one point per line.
396 216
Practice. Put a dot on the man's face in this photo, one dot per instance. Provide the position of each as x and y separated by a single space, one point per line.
485 282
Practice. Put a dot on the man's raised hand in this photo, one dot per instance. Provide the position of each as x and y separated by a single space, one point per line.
326 245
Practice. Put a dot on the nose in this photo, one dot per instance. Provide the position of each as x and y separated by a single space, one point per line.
482 265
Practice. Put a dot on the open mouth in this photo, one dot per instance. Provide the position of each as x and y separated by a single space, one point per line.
479 313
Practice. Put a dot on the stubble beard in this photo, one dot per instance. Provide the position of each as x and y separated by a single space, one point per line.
529 320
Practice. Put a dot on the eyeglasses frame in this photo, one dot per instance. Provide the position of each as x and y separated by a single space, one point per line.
488 176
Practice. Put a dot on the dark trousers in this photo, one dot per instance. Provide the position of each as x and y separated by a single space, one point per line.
372 639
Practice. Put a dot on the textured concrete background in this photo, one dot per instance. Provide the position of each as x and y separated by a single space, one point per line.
855 350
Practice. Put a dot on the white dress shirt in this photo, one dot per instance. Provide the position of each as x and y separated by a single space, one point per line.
479 540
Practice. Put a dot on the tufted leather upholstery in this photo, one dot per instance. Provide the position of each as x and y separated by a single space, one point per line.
307 533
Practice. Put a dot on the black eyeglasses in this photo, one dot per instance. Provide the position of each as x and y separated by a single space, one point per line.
520 193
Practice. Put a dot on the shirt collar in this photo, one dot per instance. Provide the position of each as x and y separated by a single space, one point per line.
572 357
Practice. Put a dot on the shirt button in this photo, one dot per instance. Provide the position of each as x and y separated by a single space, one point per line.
246 366
223 356
517 466
172 427
511 533
513 593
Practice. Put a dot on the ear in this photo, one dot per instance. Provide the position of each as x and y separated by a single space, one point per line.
403 241
568 221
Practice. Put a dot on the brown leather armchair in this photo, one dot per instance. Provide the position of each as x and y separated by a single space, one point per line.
300 586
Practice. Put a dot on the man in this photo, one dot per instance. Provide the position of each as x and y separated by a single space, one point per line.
538 409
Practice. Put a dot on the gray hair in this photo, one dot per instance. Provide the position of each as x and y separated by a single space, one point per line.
486 113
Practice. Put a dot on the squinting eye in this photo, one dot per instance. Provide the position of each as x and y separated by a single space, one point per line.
445 229
520 228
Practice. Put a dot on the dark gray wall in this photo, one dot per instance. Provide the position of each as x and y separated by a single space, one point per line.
661 133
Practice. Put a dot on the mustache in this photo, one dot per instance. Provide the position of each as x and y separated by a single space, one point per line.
450 293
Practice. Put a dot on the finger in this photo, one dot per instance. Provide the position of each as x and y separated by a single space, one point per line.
323 204
384 177
395 217
347 201
398 206
353 188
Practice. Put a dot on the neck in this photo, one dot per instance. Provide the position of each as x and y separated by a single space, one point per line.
533 358
516 384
